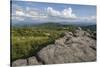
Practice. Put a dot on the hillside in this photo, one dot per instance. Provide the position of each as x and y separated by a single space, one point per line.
77 46
90 27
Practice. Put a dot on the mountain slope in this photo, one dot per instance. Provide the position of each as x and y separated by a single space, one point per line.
78 46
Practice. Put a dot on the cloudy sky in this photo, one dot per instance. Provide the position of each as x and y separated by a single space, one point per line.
44 12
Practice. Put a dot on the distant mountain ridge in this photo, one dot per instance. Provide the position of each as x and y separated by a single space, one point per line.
52 25
32 23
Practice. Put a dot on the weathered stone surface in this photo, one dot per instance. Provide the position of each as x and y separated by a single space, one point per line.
29 61
73 47
33 61
20 62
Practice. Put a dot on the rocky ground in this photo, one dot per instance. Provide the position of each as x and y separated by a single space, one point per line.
78 46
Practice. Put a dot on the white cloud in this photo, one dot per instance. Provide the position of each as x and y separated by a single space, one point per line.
19 18
52 12
68 13
93 17
87 18
65 13
20 12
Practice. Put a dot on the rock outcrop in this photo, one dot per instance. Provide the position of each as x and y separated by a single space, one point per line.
73 47
77 46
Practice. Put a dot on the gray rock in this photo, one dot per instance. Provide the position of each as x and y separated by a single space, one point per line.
20 62
24 62
79 28
70 49
33 61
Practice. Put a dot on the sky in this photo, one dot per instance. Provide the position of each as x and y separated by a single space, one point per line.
45 12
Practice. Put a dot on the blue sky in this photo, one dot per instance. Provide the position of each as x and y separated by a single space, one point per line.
38 11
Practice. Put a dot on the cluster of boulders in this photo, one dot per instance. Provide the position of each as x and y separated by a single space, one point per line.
29 61
77 46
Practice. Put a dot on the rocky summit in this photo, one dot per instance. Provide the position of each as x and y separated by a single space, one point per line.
77 46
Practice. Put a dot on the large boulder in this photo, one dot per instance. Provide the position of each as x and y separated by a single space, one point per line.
73 47
33 61
20 62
